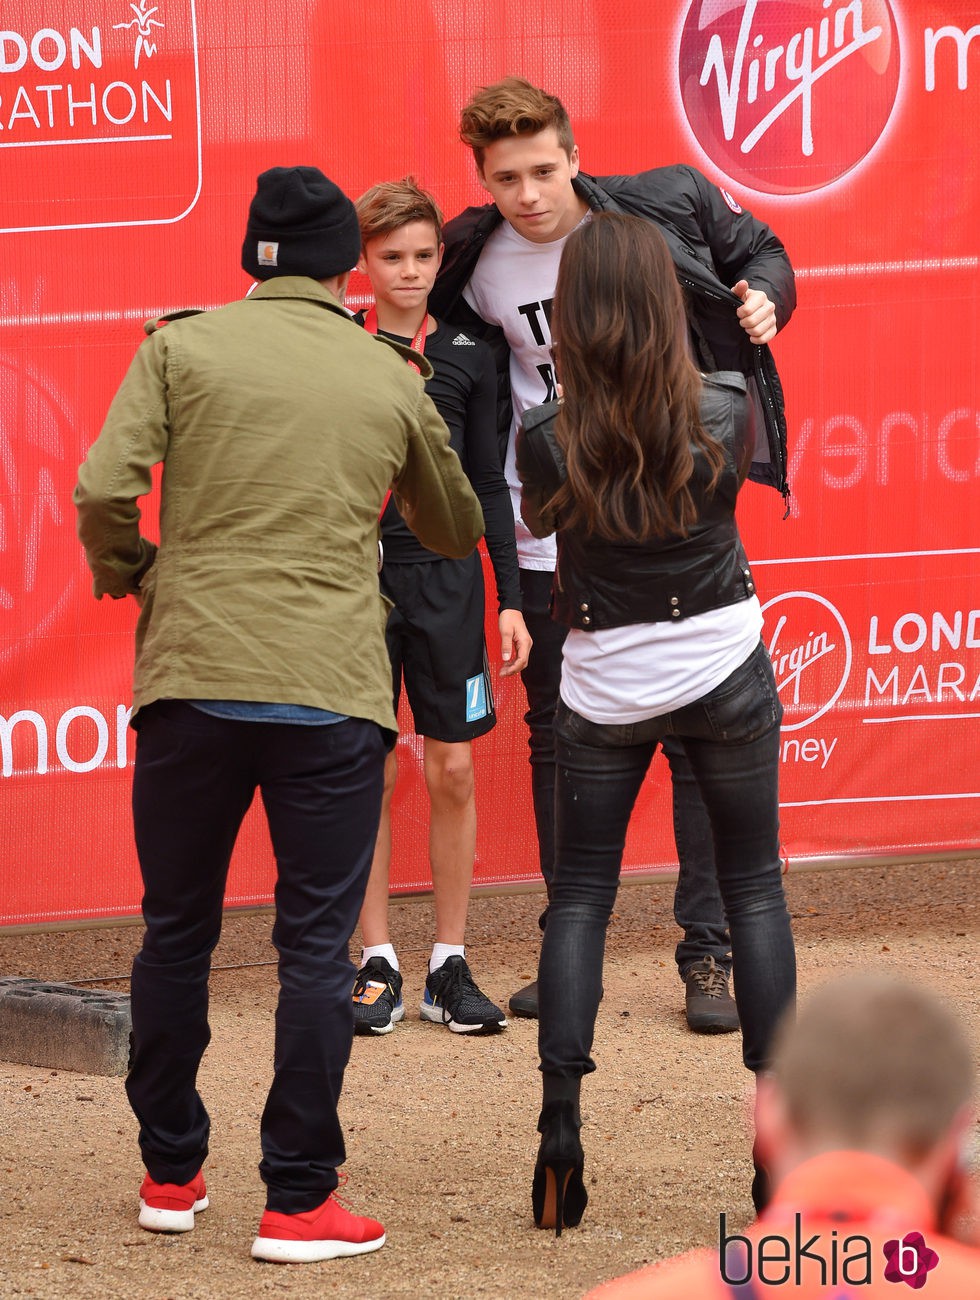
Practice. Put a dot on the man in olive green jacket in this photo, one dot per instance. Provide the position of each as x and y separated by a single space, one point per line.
261 664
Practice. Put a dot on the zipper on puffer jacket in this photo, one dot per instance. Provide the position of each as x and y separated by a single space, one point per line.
775 445
765 395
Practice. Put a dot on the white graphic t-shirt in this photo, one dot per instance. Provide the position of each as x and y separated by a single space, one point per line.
513 286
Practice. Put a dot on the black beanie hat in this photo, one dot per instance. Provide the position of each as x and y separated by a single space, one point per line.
300 223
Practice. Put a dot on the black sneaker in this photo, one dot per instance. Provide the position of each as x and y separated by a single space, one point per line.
452 998
525 1002
709 1005
377 997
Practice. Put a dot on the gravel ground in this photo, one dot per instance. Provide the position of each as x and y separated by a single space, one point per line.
440 1127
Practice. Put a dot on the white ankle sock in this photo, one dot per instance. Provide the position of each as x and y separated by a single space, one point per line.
384 950
442 951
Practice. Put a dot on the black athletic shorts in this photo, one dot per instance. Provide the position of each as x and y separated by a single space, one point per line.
435 639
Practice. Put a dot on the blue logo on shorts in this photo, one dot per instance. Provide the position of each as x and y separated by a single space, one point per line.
476 698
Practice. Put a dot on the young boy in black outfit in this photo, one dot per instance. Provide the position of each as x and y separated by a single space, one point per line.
435 631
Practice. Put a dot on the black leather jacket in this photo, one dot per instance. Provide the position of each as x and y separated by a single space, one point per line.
713 246
602 584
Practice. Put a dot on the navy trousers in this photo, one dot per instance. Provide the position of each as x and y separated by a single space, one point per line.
194 780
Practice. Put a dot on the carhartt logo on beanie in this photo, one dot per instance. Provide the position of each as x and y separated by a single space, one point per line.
300 223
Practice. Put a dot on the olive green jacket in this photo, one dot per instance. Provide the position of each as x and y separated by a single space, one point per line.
280 424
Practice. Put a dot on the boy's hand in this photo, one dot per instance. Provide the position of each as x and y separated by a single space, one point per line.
757 314
515 641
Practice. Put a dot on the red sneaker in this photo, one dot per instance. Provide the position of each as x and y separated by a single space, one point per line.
327 1232
170 1207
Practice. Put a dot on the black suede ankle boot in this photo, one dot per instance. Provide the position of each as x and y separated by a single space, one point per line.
558 1195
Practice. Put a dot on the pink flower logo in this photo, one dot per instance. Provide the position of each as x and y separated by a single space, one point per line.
909 1260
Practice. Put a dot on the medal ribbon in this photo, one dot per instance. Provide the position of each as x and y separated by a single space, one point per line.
418 342
418 345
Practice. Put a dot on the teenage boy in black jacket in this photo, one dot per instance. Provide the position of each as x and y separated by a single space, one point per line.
497 280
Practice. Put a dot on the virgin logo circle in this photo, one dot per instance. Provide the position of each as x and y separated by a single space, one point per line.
788 97
810 648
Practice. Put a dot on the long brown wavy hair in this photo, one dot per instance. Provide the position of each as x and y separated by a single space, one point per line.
629 424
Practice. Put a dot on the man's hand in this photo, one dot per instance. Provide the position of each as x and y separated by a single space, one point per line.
515 641
757 314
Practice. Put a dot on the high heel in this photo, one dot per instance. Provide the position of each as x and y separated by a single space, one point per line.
558 1195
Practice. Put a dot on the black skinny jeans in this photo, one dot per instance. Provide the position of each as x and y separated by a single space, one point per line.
698 907
731 736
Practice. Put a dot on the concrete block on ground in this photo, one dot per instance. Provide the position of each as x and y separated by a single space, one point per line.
63 1026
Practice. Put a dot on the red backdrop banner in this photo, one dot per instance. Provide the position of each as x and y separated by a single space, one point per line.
130 138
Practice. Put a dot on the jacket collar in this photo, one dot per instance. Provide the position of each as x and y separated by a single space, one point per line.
284 286
587 187
297 286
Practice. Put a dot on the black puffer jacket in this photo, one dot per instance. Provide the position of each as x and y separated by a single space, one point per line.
602 584
713 246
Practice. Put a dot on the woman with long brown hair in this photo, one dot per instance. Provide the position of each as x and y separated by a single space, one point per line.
638 469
